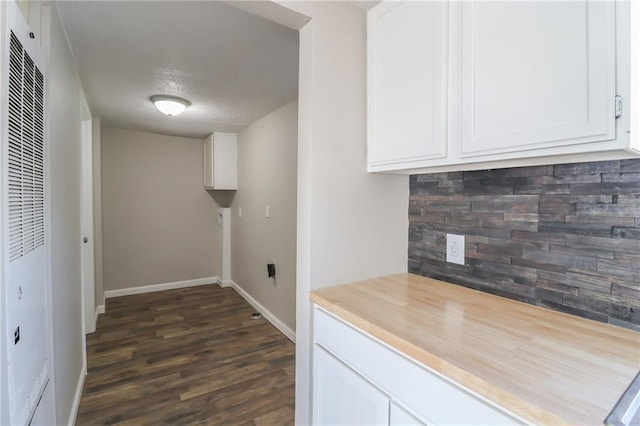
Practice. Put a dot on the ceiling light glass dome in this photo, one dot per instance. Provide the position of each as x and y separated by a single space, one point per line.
170 105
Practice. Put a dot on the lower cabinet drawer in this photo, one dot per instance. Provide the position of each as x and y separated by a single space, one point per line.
426 395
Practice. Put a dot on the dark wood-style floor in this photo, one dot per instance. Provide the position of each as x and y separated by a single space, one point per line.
187 356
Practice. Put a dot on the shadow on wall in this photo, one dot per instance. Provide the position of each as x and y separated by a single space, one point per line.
223 198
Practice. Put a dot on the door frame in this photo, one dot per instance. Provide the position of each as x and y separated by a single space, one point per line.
45 42
86 222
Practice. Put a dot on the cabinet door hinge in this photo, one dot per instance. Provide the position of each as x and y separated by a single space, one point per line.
618 106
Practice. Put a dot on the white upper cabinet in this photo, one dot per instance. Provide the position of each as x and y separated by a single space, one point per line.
221 161
484 84
407 81
537 75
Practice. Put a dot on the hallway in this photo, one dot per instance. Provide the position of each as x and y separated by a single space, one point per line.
187 356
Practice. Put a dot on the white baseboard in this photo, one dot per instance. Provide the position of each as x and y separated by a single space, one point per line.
284 329
99 310
160 287
73 415
223 284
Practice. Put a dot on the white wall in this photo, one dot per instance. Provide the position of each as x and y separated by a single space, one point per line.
159 223
351 225
66 175
267 168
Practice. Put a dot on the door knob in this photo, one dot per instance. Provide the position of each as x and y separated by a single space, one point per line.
85 239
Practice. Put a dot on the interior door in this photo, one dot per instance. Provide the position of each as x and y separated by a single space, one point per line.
25 243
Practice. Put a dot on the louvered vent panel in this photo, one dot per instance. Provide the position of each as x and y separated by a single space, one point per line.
38 155
26 153
28 206
14 157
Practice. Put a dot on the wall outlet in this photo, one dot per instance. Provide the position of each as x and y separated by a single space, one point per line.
271 270
455 249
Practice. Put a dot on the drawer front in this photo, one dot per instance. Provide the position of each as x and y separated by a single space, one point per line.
427 395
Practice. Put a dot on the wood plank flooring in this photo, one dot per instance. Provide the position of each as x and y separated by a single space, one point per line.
187 356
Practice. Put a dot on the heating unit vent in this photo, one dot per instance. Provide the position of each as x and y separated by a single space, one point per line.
26 153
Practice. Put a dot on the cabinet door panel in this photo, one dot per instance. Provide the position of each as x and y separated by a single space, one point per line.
536 75
221 161
407 95
342 397
400 417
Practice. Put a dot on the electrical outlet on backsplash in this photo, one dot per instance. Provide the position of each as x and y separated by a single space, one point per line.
566 237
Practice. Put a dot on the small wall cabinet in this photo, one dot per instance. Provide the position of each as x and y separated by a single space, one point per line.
221 161
480 84
359 380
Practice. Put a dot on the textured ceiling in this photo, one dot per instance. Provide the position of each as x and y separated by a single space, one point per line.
234 67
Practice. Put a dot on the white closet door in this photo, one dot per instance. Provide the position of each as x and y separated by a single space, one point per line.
25 244
536 75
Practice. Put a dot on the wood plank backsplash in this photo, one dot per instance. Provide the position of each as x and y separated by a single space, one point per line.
566 237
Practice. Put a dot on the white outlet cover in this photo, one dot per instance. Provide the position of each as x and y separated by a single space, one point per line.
455 249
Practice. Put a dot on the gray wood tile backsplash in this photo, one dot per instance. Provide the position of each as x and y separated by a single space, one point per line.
566 237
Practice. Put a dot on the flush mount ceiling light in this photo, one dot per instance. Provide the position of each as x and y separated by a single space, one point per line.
170 105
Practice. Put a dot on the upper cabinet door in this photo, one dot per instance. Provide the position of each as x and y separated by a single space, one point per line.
536 75
407 82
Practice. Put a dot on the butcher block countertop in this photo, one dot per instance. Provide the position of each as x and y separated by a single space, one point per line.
544 366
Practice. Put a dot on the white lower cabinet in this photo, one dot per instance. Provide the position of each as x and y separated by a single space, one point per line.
398 416
358 380
342 397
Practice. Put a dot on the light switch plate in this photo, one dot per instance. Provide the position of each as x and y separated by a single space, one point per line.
455 249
